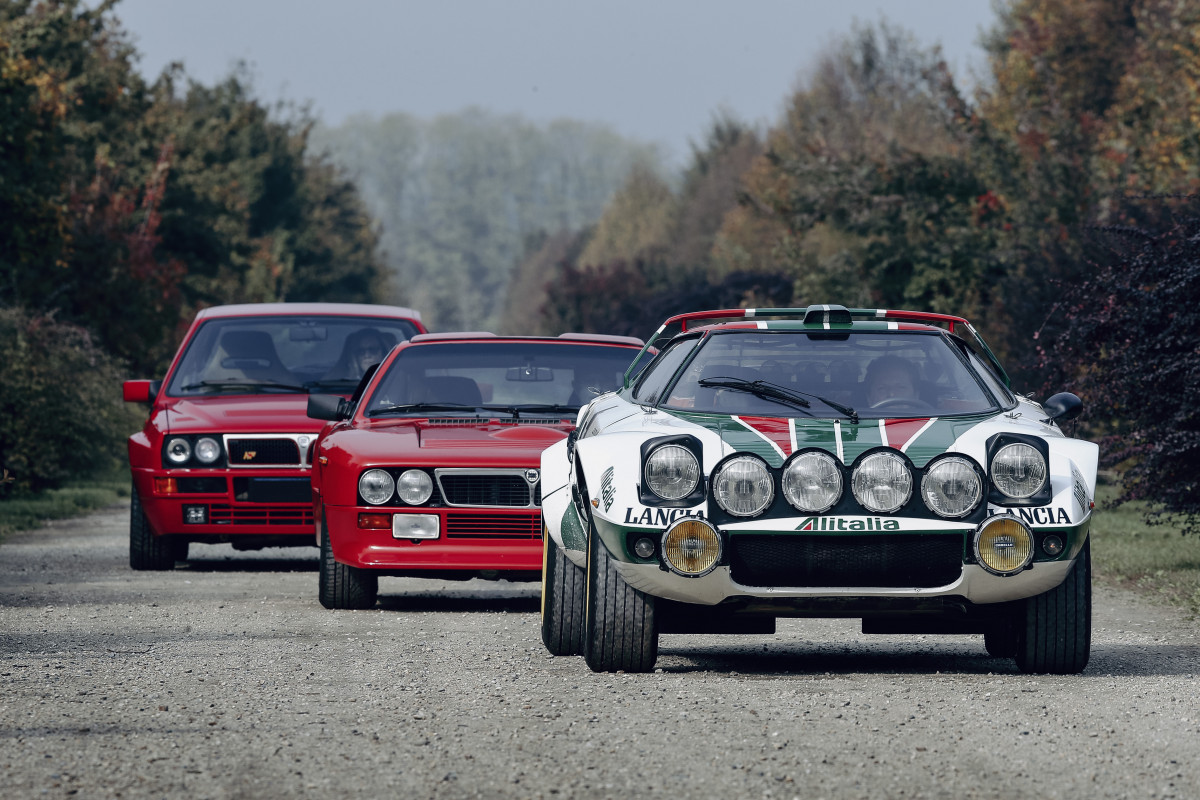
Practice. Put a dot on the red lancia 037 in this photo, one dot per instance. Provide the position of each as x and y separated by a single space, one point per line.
433 470
225 454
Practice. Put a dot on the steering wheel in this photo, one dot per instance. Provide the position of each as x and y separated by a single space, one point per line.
912 403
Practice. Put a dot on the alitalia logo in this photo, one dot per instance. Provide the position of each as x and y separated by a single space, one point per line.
848 524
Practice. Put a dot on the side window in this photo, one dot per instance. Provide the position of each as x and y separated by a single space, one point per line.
658 375
985 372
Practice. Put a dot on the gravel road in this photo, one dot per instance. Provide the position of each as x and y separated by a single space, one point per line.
227 679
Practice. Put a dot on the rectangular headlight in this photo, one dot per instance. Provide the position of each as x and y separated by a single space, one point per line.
415 526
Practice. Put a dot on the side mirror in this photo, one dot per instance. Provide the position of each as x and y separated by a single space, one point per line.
140 391
329 407
1063 407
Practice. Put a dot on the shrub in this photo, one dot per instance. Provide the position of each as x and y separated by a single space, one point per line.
61 414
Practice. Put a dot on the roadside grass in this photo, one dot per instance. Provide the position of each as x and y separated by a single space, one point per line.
73 500
1156 560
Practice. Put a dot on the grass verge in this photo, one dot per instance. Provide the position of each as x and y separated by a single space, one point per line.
1156 560
24 513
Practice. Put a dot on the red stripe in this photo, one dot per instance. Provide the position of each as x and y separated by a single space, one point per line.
900 431
772 428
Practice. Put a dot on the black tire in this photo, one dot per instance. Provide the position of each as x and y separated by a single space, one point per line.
564 598
620 628
342 586
1054 634
147 551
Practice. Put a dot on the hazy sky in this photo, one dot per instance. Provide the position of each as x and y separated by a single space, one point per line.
656 70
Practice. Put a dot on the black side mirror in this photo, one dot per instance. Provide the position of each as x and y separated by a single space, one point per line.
329 407
1063 407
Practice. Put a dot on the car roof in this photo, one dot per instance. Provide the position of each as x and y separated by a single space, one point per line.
338 309
483 336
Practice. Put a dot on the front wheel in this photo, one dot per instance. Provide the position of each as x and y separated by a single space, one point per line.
564 598
1054 634
344 586
620 630
147 551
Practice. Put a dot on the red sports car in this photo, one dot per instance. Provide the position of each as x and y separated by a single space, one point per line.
225 454
434 471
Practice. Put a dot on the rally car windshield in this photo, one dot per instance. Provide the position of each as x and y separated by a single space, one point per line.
285 354
848 375
522 378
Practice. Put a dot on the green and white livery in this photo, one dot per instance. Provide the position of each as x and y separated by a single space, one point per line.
819 462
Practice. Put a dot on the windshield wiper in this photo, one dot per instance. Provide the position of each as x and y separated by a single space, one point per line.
332 382
773 391
548 408
402 409
234 383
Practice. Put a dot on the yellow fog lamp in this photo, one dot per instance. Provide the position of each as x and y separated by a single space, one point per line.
1004 545
691 547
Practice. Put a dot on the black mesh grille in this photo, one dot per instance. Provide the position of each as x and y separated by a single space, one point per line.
260 515
893 560
486 490
493 526
257 452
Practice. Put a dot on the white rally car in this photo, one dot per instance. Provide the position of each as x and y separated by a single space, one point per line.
819 462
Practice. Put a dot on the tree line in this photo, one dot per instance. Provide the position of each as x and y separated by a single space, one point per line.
1033 204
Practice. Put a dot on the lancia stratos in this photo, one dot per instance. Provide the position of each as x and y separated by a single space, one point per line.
819 462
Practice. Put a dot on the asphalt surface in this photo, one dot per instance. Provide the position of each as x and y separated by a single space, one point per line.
225 678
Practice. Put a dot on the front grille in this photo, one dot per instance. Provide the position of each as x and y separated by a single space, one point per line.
493 526
260 515
487 489
272 490
893 560
262 452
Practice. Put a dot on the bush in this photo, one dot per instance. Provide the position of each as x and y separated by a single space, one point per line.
61 413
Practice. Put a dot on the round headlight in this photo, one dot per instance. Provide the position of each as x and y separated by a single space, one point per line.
179 451
672 472
376 486
882 483
1004 545
951 487
812 482
207 450
691 547
743 487
414 487
1018 470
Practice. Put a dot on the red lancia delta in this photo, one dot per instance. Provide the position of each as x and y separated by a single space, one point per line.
225 454
434 470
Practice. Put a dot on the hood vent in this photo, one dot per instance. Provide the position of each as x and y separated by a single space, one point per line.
445 422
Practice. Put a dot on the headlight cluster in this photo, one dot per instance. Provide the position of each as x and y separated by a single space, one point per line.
882 482
377 486
183 451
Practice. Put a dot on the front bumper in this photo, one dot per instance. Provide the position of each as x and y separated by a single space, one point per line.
230 511
971 582
469 540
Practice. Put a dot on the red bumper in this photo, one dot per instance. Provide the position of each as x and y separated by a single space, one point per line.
468 539
164 497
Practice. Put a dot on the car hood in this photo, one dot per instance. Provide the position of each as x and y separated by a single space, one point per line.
258 414
434 443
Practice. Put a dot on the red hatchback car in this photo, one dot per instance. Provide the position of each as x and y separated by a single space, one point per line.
434 470
225 454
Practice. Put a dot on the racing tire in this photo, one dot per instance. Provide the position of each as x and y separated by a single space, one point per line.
620 627
147 551
1054 635
564 599
342 586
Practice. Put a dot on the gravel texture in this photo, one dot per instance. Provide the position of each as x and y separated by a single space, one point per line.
225 678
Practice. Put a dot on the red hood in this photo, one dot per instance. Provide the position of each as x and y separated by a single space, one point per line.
407 442
258 414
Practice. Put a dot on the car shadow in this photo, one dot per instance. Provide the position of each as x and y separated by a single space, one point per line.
513 601
777 659
248 564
